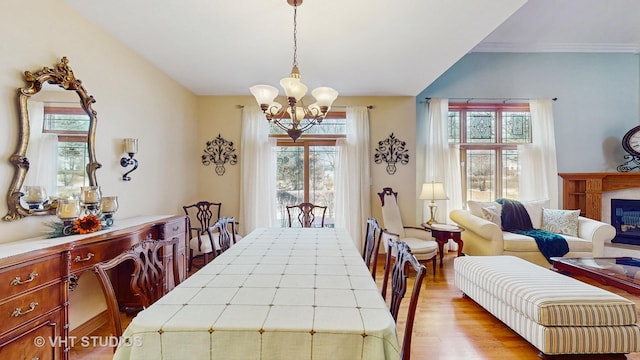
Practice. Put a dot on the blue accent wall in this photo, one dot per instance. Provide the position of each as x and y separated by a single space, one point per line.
598 97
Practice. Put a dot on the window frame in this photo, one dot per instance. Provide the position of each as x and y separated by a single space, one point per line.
498 146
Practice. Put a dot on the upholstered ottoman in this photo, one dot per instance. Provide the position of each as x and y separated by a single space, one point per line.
555 313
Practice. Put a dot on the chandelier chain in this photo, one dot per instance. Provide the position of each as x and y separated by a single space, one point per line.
295 34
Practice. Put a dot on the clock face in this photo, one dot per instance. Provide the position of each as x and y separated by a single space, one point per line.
631 141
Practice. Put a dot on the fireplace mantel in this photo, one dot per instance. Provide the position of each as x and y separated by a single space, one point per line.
584 190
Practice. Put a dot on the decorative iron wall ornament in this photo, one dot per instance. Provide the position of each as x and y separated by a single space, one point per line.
219 152
391 150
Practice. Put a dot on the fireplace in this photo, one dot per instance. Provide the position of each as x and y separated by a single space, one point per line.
625 217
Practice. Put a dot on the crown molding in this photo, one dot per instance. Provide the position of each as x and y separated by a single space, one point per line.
633 48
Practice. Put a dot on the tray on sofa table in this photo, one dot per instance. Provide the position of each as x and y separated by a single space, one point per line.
620 272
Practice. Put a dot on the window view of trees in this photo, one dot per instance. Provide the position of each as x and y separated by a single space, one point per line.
488 135
71 125
306 168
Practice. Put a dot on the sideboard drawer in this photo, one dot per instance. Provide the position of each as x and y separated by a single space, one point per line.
173 229
29 306
86 256
22 344
23 277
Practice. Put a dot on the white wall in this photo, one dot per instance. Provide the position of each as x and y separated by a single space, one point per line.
133 99
598 97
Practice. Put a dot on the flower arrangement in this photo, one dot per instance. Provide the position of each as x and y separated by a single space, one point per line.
87 225
84 225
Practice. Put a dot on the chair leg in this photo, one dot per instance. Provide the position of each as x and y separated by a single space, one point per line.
190 260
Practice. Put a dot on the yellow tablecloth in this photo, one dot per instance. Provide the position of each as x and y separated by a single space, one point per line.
279 293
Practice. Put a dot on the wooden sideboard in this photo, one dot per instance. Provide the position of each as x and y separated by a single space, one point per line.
584 190
36 276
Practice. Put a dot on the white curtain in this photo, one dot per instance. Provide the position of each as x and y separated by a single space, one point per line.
442 160
257 172
538 165
352 176
42 151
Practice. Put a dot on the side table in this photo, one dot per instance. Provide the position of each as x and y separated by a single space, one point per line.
442 233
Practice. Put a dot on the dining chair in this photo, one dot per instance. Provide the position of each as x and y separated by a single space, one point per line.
419 239
201 216
223 238
147 278
307 214
372 238
404 262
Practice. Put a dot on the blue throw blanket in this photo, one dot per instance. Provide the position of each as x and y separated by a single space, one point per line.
515 219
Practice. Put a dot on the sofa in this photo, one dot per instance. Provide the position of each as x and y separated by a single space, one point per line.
483 234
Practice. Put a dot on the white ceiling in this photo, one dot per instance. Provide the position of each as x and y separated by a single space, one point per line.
358 47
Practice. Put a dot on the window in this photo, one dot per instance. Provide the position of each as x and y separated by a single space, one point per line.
71 125
306 168
488 135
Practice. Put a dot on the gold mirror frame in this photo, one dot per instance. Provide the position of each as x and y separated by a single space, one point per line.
63 76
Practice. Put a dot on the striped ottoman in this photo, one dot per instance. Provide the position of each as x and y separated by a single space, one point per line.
555 313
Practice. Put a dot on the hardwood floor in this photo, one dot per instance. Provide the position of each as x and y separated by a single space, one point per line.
448 326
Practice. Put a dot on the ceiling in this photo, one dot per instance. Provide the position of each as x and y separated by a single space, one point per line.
358 47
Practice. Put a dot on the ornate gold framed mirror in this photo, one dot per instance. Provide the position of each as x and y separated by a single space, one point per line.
57 128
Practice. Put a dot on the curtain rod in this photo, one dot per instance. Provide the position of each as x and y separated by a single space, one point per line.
504 100
336 106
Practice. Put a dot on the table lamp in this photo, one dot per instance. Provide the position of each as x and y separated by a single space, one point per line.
432 191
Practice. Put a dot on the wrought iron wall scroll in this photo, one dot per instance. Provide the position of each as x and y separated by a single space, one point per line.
391 150
219 152
632 163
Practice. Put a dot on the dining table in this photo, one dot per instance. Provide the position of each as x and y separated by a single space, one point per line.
279 293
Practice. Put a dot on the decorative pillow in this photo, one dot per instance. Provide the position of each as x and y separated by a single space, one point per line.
493 214
560 221
534 209
475 207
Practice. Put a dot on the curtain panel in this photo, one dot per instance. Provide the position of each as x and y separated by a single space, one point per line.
353 177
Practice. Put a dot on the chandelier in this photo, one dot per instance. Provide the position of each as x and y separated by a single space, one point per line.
294 117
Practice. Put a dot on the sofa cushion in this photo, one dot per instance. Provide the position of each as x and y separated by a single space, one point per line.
475 207
560 221
534 209
493 214
516 242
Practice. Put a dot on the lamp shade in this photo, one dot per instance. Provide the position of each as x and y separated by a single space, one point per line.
264 94
293 88
325 96
433 191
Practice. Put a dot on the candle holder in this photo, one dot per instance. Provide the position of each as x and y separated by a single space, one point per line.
68 211
109 207
35 197
90 197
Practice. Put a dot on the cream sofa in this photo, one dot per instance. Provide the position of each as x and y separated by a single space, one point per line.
483 237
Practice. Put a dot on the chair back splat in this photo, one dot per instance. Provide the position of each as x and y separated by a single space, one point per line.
405 262
224 236
147 279
419 239
201 216
306 213
372 239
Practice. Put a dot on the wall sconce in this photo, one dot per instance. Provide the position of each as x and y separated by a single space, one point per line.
131 148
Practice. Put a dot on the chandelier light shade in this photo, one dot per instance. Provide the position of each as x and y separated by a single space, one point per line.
294 117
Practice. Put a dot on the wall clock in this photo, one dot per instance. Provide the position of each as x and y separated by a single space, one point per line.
631 144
